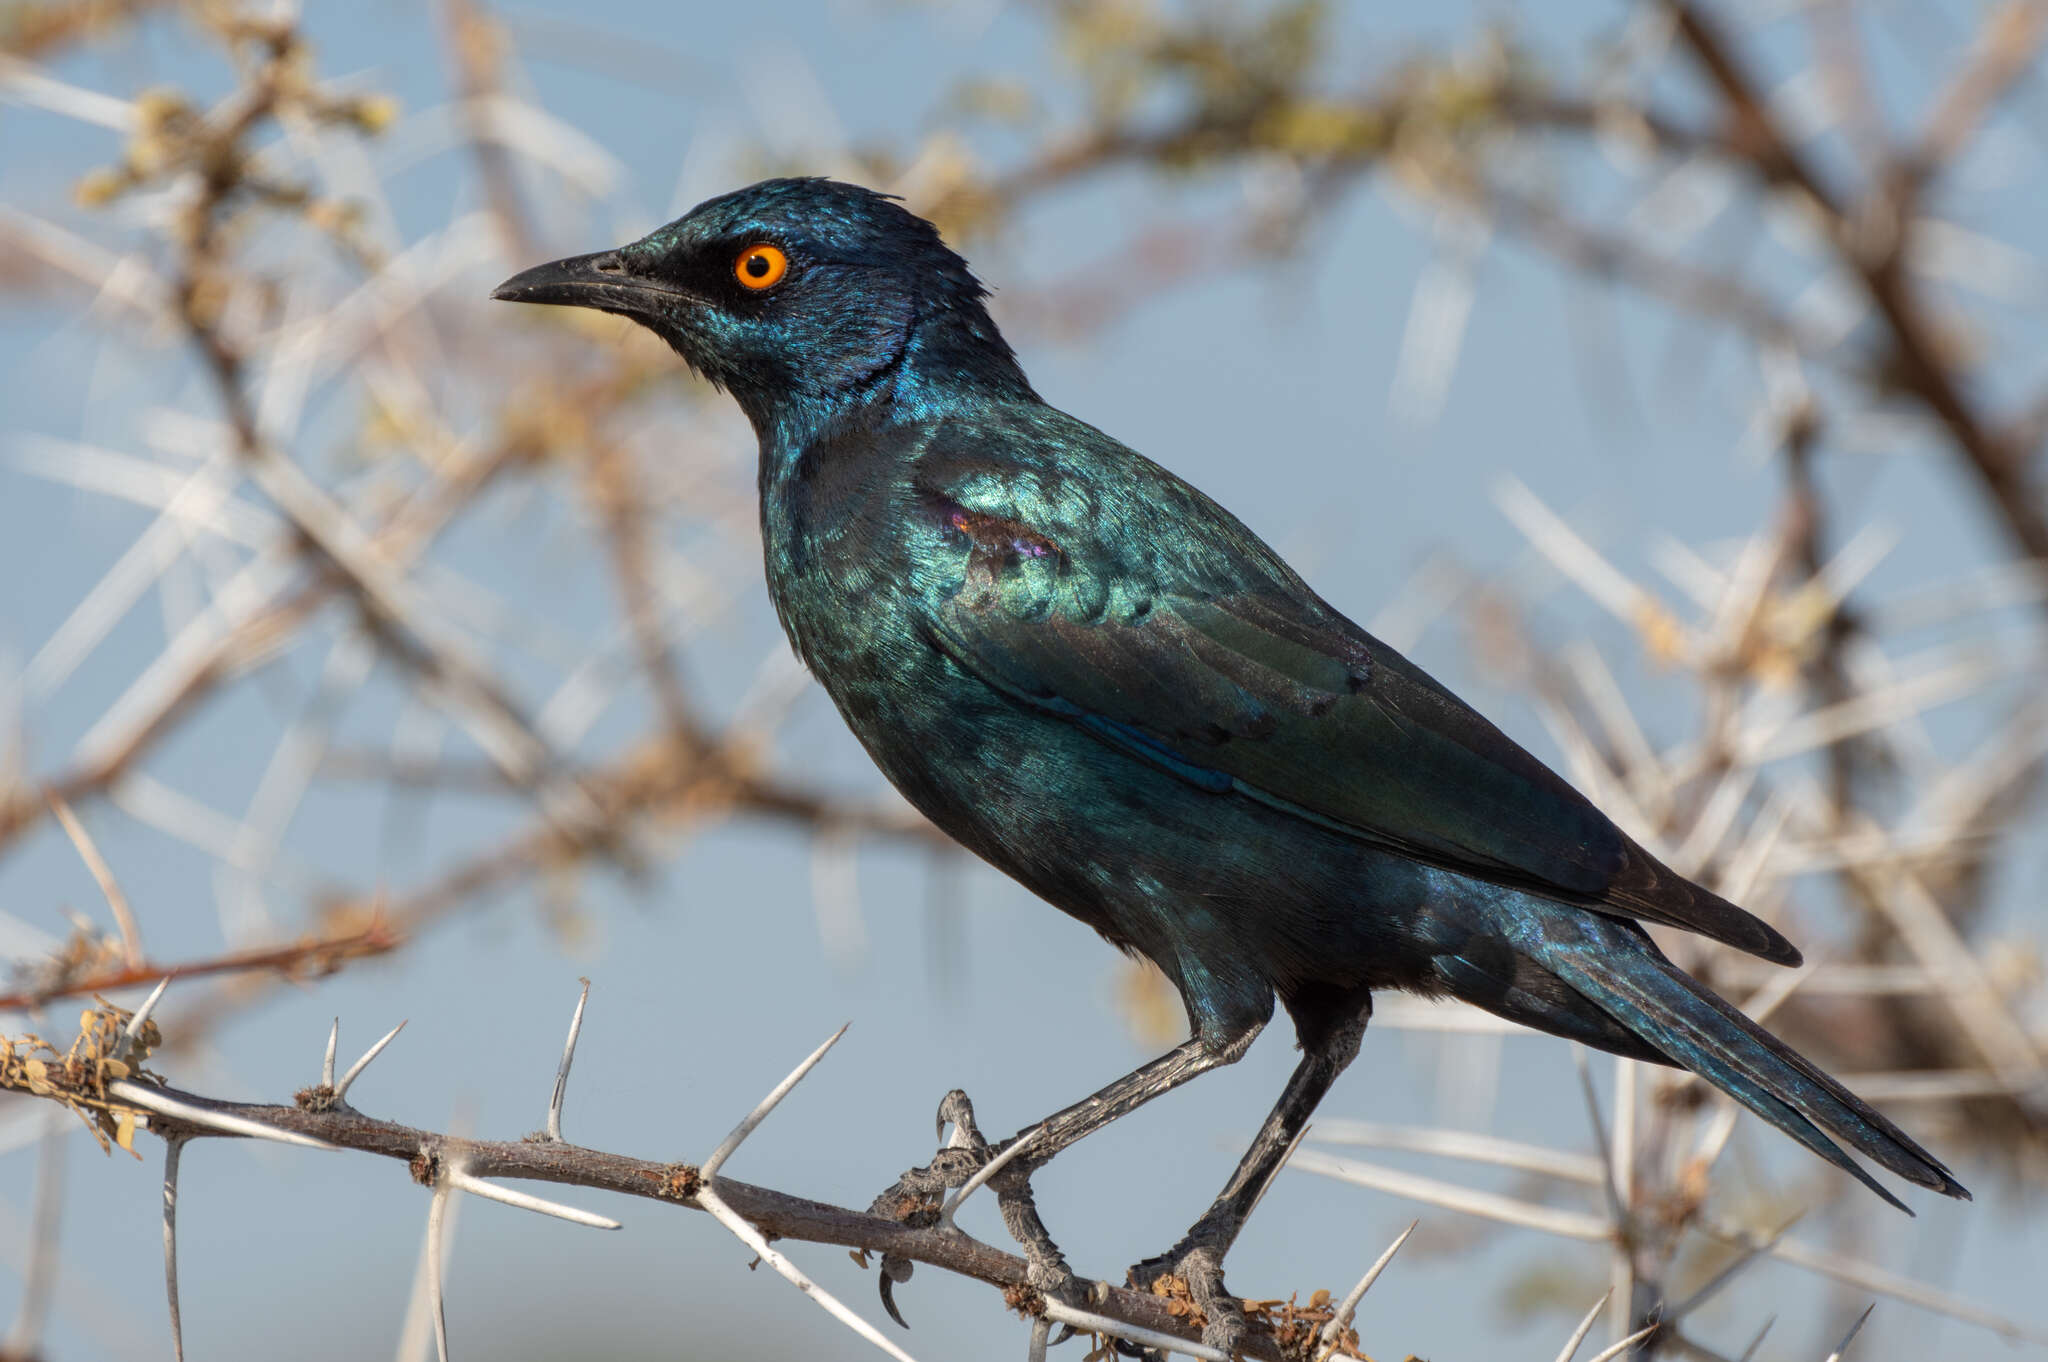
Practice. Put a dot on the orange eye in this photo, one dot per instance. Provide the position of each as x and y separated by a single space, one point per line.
760 266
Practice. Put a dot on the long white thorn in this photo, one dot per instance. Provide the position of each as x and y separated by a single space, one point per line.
103 875
1850 1337
133 1030
709 1200
1085 1322
1041 1331
1455 1197
562 1074
437 1212
768 1104
149 1099
174 1150
1614 1350
355 1070
463 1180
1334 1330
327 1062
984 1173
1571 1345
1462 1144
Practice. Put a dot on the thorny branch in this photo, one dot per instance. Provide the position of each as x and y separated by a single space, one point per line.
102 1079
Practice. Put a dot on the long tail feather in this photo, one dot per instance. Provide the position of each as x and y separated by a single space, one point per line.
1617 968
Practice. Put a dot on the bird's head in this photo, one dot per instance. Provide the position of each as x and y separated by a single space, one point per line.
799 296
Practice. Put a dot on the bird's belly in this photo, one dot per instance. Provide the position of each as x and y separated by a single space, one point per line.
1230 898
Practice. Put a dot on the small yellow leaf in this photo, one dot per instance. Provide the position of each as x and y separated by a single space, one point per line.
374 113
98 188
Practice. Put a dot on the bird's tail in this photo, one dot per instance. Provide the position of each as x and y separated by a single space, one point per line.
1681 1019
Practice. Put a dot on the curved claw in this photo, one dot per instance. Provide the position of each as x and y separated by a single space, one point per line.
894 1270
889 1301
957 1111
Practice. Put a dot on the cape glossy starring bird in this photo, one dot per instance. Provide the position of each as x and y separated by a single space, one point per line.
1101 682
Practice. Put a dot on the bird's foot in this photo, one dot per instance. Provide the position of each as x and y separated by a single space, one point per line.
1191 1274
917 1198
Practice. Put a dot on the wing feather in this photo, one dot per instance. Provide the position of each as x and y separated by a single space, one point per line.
1238 679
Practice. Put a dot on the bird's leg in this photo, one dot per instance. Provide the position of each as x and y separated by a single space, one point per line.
915 1197
1071 1124
1195 1264
1045 1266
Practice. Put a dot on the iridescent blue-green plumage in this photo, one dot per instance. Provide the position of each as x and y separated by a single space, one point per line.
1107 686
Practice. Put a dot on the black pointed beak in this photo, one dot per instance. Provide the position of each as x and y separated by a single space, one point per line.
600 281
570 281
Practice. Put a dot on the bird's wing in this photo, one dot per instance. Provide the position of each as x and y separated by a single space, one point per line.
1213 661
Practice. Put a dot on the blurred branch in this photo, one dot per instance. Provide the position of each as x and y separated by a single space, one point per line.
657 783
1872 244
2008 41
1425 122
42 29
309 959
477 48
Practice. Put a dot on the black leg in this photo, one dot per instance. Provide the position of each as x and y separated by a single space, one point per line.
1070 1125
1276 1138
1197 1260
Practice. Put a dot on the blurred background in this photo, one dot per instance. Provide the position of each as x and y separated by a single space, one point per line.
1670 379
